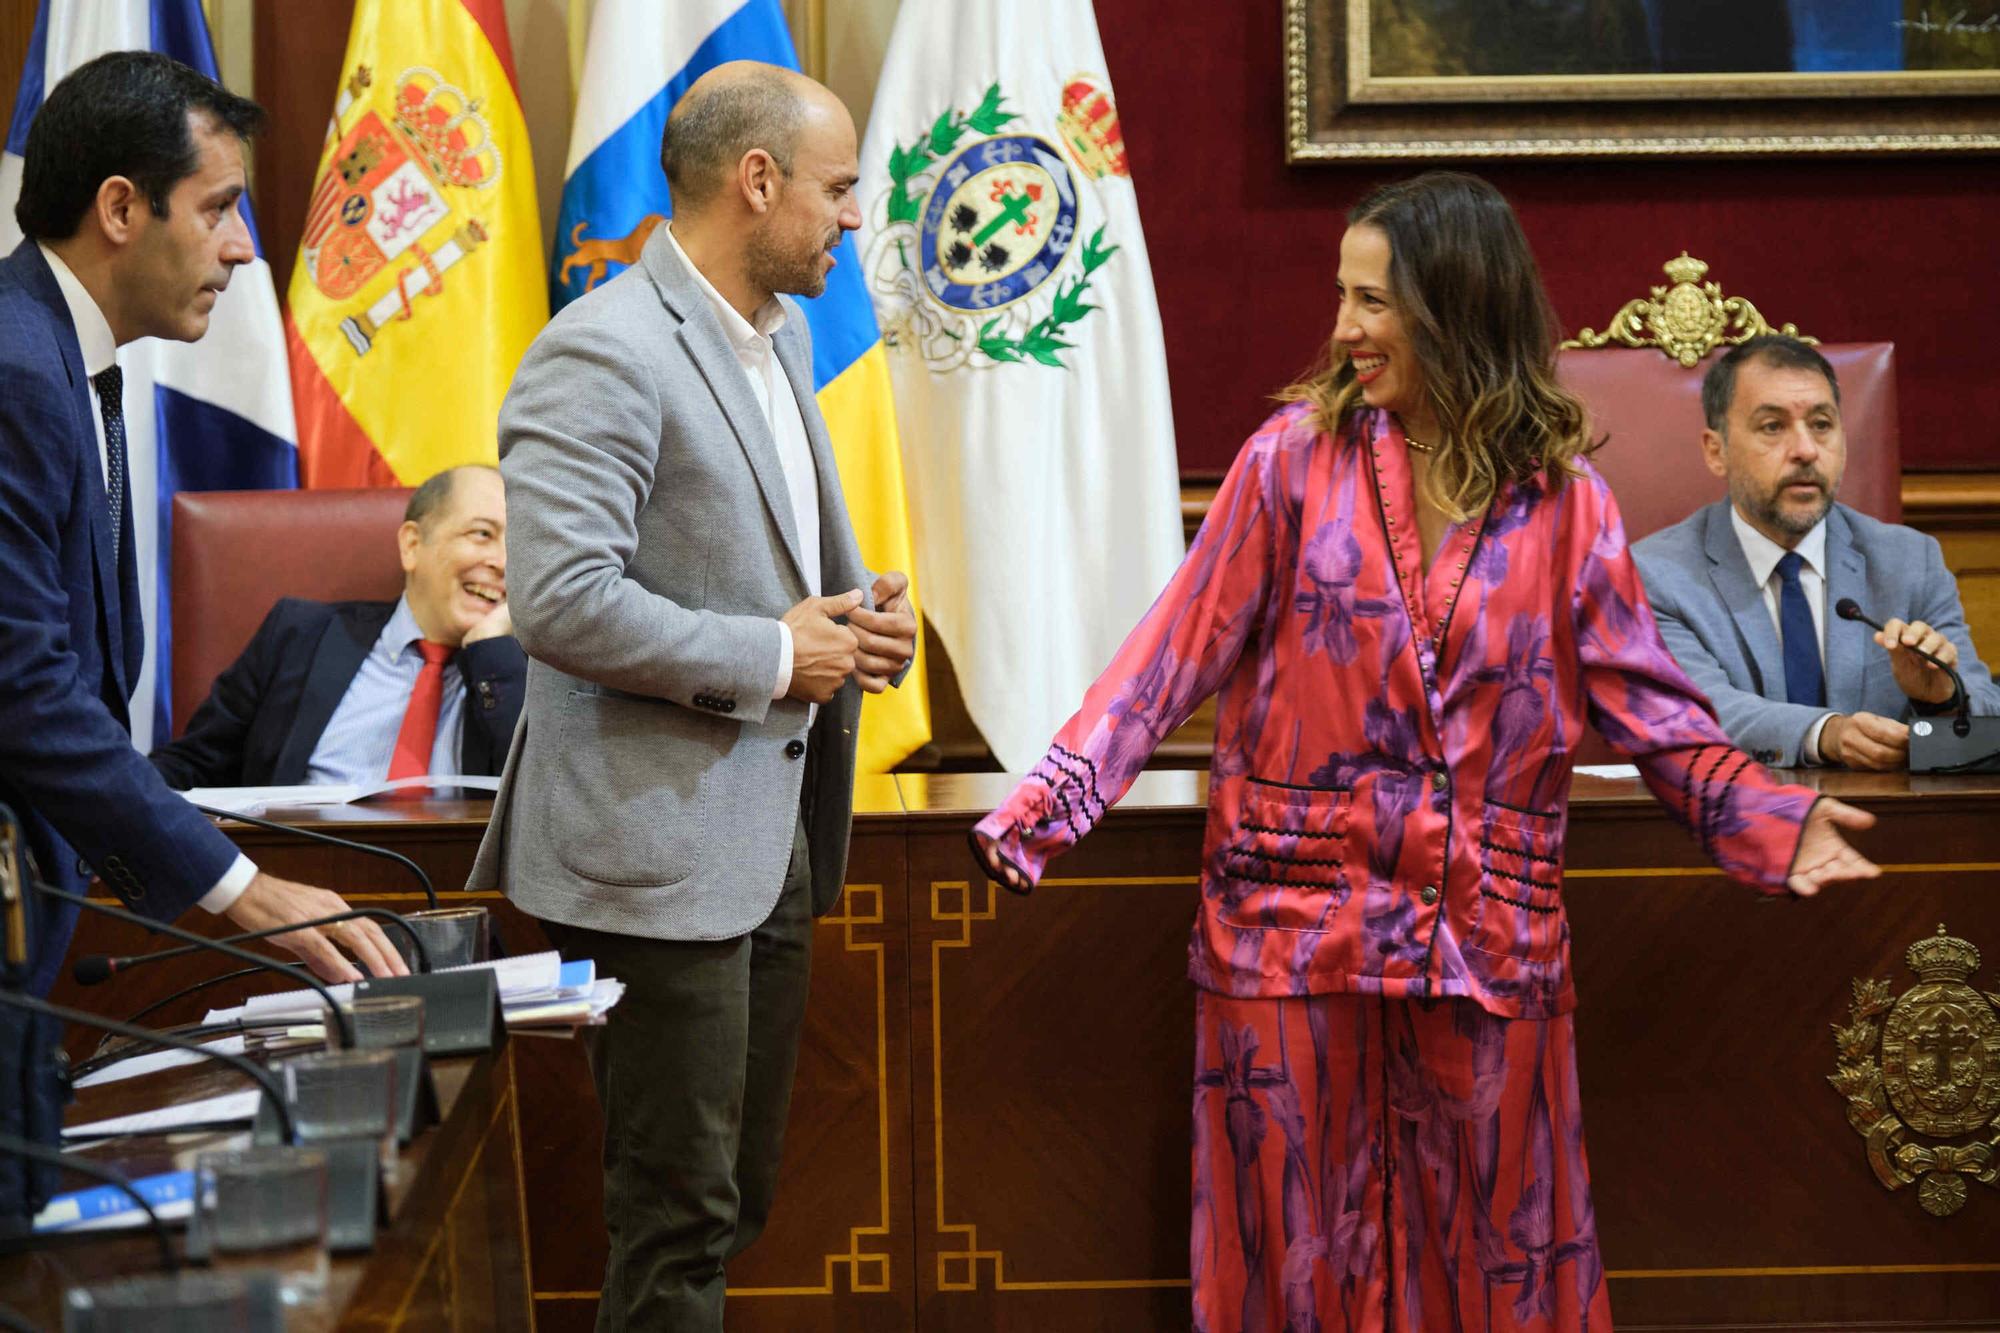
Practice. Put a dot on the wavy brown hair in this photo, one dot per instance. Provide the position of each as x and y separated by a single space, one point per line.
1471 301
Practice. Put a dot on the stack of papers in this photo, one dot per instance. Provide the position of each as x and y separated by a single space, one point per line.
536 990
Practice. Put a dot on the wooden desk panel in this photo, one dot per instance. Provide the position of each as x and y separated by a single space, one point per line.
990 1123
1053 1055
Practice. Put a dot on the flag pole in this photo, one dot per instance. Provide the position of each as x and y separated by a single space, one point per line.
816 39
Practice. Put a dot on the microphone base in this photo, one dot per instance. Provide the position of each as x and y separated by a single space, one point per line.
1935 747
461 1008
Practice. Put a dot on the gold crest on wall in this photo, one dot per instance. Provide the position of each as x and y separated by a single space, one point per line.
1921 1074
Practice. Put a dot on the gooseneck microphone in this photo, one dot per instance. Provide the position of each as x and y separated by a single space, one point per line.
1959 703
259 1075
95 968
1967 745
336 1016
83 1166
314 835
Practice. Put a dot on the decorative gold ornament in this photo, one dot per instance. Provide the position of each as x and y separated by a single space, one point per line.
1687 319
1931 1068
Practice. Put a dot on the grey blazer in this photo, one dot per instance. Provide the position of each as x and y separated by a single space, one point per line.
1715 621
653 784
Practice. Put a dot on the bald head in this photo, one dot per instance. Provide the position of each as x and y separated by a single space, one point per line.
732 110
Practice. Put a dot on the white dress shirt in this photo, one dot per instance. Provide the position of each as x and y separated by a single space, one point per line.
1763 555
773 390
100 352
359 743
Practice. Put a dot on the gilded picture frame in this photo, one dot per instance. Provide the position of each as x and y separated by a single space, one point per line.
1396 80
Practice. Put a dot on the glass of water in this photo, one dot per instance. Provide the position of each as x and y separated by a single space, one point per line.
248 1301
383 1022
342 1095
265 1208
452 936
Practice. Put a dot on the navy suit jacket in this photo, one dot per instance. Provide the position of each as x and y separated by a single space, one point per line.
260 723
71 641
1714 619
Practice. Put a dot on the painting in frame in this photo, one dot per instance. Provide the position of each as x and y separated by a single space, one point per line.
1378 80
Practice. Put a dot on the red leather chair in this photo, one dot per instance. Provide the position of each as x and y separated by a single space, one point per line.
1649 407
235 553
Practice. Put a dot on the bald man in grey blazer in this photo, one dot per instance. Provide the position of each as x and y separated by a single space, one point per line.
684 578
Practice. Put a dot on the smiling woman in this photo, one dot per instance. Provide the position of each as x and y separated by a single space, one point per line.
1389 804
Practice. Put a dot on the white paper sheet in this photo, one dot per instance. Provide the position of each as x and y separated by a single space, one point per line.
256 800
224 1106
154 1061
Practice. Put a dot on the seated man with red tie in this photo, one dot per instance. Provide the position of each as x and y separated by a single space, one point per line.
355 692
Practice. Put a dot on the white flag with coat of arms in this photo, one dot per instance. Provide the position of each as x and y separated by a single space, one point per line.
1001 246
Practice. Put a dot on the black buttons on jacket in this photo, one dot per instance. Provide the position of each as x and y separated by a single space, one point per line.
794 748
714 703
121 879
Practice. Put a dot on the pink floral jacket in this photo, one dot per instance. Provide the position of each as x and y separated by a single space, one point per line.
1393 748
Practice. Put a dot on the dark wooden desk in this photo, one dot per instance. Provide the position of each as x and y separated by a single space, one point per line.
990 1124
452 1256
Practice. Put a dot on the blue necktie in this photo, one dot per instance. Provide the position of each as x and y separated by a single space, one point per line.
1804 682
110 386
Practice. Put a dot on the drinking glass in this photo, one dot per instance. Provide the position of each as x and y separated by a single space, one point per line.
382 1022
244 1301
265 1208
342 1095
452 936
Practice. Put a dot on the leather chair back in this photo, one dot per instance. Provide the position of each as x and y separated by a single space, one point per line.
1649 406
235 553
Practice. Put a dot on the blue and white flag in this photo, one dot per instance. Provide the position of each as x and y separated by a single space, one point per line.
641 57
209 416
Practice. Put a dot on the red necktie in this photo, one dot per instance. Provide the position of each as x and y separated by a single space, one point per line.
420 720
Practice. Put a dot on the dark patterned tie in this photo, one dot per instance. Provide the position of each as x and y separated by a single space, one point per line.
110 386
1804 683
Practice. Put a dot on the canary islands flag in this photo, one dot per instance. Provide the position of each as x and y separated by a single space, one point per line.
641 57
214 415
418 284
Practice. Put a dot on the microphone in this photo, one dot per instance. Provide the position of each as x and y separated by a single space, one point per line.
1969 745
94 969
1959 702
36 1152
336 1017
259 1075
314 835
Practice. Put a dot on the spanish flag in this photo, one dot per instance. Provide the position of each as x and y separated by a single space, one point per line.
419 280
641 56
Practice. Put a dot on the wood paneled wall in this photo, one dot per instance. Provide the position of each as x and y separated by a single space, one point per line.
17 26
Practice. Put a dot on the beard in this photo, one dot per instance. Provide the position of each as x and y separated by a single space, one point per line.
1792 521
779 264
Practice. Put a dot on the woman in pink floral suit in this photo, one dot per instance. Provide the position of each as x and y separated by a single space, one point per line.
1411 593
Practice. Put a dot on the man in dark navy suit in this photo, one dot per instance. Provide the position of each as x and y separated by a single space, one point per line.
344 692
129 193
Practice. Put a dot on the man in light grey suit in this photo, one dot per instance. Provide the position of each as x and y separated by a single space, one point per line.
677 799
1744 589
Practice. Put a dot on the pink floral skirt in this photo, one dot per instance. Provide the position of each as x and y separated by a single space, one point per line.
1362 1163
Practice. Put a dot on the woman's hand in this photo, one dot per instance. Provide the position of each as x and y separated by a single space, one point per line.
997 866
1824 857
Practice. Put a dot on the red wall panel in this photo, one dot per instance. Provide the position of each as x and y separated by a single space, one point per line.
1243 246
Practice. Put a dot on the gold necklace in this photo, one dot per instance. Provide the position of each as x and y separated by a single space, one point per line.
1418 444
